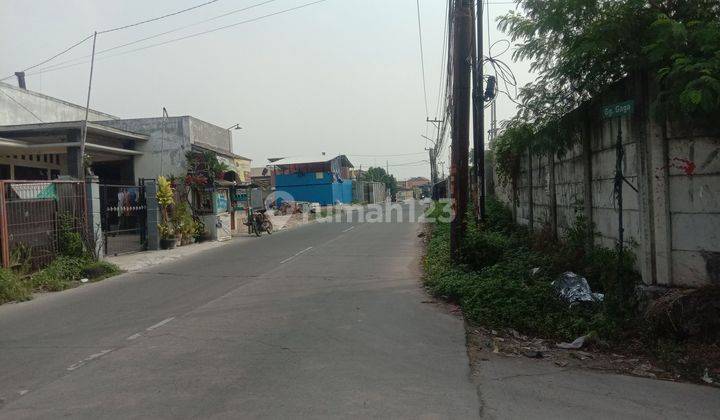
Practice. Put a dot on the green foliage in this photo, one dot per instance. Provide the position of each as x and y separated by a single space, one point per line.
165 194
61 274
99 270
70 242
166 198
182 220
509 148
495 285
687 53
21 258
378 174
13 288
580 47
166 230
205 165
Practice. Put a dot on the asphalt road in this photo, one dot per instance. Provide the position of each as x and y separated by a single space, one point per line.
326 320
323 321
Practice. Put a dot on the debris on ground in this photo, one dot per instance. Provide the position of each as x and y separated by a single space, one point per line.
485 343
578 343
706 378
533 354
687 314
574 289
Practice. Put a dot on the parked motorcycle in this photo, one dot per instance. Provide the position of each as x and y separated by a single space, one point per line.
258 221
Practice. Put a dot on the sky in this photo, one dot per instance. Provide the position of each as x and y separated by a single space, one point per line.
340 76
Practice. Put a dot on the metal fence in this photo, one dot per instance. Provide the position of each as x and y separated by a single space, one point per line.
38 219
123 212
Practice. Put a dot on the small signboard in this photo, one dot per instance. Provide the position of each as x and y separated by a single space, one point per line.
619 109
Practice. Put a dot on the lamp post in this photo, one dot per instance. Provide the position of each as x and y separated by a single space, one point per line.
233 127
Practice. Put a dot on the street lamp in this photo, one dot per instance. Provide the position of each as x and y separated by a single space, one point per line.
234 127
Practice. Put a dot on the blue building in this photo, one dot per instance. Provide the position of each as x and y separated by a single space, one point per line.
321 179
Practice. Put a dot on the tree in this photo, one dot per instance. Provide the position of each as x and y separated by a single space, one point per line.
378 174
580 47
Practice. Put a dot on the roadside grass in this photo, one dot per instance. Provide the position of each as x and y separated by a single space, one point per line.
63 273
13 288
504 279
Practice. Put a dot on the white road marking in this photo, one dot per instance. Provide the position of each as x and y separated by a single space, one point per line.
134 336
348 229
23 392
160 324
88 359
299 253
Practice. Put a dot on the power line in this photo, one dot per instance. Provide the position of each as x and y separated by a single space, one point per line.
21 105
53 57
416 163
106 31
196 34
422 59
401 154
137 41
157 18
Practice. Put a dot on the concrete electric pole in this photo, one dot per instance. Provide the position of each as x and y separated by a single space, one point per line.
478 115
461 48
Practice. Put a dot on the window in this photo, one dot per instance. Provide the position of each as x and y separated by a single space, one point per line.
4 171
26 173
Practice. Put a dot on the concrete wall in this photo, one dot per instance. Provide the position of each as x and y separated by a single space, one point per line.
164 152
672 221
25 103
209 134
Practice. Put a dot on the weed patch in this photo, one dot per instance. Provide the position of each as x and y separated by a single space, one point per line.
13 288
504 279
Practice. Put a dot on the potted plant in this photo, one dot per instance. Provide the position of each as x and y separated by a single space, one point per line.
167 236
165 200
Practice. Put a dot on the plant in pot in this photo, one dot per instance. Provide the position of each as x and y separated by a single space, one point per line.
183 223
165 200
167 236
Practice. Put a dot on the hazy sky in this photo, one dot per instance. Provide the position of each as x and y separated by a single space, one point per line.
341 76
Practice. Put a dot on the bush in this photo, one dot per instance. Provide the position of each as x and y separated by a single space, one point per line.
61 274
13 288
70 242
99 270
495 286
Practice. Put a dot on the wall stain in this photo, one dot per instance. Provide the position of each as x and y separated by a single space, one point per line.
712 265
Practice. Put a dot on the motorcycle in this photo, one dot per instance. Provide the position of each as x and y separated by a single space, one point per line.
258 221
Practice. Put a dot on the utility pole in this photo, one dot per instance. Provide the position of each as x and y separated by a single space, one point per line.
462 43
433 167
478 114
83 137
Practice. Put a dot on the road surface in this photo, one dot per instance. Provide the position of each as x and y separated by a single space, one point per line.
323 321
326 320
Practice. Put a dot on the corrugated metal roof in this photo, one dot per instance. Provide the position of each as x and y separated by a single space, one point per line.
299 160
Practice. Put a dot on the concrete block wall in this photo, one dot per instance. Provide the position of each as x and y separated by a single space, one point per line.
21 106
671 213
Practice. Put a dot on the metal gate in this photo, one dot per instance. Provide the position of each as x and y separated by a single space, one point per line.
124 216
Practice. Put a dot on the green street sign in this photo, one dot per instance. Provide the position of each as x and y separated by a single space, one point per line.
619 109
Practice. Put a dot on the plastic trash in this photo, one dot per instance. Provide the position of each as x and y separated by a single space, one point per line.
84 280
573 289
575 345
